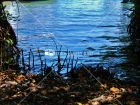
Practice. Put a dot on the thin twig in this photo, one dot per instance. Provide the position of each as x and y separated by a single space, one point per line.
29 62
65 60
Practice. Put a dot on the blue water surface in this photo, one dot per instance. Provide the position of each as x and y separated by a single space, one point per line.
90 26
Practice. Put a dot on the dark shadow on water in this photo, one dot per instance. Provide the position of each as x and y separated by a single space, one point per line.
131 64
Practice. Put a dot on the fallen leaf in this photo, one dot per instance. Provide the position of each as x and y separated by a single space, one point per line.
103 86
129 90
19 78
56 88
11 82
132 103
32 85
78 103
33 89
25 93
4 85
110 98
118 96
95 103
123 90
44 92
66 88
33 81
18 94
113 89
86 104
12 86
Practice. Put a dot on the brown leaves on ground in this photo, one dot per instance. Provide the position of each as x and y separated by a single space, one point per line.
58 91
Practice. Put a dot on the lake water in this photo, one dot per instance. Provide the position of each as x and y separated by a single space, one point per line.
91 29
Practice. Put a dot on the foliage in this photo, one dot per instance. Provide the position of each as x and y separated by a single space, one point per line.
4 14
133 49
136 6
7 37
134 26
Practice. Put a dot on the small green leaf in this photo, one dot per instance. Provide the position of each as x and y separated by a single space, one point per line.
10 60
9 41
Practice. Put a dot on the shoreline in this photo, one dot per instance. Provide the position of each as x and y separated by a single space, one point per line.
6 2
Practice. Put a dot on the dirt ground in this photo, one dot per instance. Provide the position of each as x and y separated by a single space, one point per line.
97 87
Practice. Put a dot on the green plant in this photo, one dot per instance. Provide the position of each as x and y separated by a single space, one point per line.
8 50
